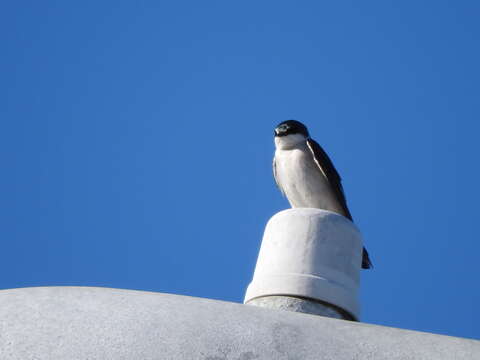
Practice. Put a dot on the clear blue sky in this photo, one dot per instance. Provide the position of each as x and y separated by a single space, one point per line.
136 143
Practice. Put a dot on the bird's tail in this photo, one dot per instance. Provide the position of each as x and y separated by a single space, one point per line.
366 262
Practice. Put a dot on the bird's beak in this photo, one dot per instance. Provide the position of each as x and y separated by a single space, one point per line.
276 132
279 131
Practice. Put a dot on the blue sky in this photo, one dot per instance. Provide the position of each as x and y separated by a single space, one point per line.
136 143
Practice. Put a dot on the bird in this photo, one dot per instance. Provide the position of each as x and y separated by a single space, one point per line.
305 174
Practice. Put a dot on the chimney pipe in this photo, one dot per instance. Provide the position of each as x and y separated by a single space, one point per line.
309 262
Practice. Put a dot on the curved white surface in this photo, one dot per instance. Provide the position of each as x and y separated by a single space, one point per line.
309 253
71 323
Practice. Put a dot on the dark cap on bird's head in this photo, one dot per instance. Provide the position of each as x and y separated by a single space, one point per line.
288 127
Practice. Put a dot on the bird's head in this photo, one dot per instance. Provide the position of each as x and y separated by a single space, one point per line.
289 133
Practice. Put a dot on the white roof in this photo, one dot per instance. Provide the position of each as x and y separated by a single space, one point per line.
100 323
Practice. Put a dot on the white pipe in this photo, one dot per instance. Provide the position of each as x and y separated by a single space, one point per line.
310 262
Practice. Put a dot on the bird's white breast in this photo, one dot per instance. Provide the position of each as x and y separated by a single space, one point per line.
302 181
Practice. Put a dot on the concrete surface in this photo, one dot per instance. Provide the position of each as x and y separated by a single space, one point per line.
71 323
307 306
310 254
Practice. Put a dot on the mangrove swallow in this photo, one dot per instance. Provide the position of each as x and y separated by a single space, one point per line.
305 174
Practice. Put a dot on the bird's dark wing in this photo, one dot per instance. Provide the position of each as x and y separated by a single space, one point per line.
326 167
274 167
